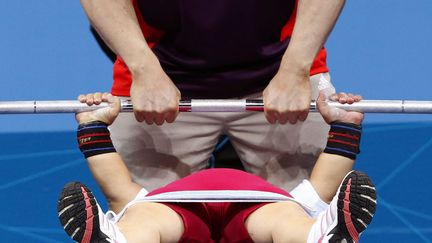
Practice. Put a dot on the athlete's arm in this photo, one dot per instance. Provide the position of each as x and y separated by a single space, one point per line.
330 168
108 169
153 94
288 95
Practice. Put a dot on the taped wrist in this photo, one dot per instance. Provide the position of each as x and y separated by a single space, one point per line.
344 139
94 138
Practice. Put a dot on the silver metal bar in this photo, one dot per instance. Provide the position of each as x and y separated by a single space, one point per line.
43 107
72 106
217 105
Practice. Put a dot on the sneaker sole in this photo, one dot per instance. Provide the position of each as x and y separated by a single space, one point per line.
356 207
78 213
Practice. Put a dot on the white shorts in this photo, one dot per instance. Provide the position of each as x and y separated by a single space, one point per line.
281 154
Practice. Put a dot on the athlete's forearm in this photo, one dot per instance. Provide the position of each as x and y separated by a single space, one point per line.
117 24
327 174
105 163
314 21
337 159
114 179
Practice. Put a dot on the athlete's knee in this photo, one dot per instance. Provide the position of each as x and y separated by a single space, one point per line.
280 218
154 220
138 233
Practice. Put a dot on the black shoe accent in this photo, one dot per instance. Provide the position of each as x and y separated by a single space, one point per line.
72 196
362 206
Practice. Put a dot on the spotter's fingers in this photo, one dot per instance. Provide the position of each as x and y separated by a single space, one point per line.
171 116
271 115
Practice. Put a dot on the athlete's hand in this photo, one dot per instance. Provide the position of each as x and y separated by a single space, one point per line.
331 114
107 114
287 97
154 96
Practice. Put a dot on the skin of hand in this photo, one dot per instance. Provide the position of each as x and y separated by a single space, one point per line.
108 169
287 97
331 114
106 115
154 96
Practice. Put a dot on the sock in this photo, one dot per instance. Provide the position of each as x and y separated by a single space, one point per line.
305 194
323 221
110 228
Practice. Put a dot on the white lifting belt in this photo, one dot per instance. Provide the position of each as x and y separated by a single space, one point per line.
209 196
217 196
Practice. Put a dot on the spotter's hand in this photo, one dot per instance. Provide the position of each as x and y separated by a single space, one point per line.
107 114
154 96
332 114
287 98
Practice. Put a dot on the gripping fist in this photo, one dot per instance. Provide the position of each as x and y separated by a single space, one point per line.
287 98
154 96
106 115
332 114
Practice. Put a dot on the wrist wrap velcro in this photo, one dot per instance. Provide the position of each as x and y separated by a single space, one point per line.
94 138
344 139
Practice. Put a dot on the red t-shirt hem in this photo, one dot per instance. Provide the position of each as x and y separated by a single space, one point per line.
123 78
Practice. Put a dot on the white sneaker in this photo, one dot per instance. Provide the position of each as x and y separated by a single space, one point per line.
83 219
349 213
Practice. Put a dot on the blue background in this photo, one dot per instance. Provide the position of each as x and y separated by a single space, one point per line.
380 49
